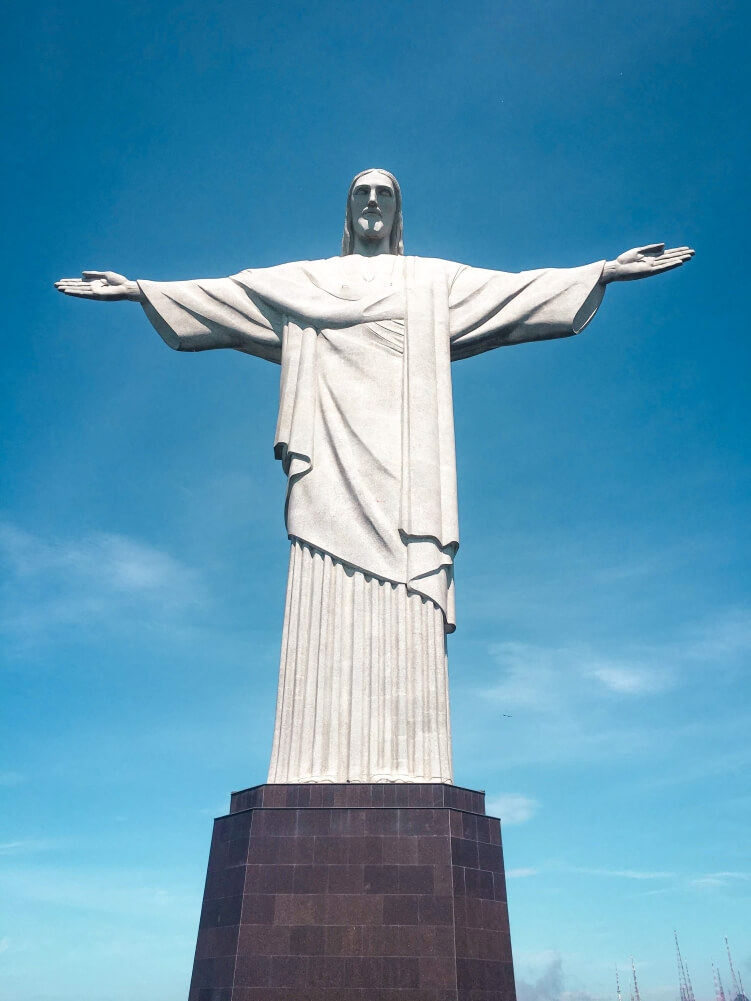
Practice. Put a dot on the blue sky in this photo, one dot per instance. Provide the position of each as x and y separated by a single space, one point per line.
603 584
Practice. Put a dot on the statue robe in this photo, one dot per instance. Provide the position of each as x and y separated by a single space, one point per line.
365 435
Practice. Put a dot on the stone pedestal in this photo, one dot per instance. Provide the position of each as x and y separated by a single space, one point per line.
355 893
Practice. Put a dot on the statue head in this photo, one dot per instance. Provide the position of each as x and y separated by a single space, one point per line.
374 205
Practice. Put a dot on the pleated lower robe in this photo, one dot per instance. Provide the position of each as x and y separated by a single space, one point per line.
363 685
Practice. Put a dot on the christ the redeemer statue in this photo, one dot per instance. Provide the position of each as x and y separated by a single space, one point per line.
366 437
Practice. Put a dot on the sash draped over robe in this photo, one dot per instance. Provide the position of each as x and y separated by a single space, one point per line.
365 435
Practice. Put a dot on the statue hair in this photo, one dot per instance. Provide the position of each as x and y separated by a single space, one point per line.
396 238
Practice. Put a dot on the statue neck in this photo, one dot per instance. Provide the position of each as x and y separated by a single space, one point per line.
371 248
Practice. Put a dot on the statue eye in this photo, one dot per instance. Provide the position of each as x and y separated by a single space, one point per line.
385 191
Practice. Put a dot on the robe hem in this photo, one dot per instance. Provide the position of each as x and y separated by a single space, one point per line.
449 627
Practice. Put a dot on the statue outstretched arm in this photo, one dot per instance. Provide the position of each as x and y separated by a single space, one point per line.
105 286
490 309
643 262
191 315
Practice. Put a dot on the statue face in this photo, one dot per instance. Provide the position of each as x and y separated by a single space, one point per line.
373 206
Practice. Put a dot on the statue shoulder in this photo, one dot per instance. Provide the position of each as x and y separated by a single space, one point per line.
436 268
439 262
289 271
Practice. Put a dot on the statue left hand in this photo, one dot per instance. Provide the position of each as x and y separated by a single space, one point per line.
643 262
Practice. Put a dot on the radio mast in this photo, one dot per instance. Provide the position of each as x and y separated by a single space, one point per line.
637 996
719 992
737 983
684 980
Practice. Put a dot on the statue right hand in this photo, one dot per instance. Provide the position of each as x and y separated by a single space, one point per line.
103 285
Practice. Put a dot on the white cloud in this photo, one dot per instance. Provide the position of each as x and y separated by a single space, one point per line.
628 680
66 583
576 701
521 873
9 847
672 881
713 879
638 874
111 891
23 847
544 678
115 562
512 808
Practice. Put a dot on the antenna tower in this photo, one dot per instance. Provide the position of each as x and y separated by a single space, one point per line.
684 981
618 985
690 985
718 990
737 982
636 994
738 988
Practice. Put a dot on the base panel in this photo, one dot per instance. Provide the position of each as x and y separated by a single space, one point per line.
384 892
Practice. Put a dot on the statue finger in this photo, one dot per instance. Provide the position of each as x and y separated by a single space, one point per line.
666 266
651 249
94 274
665 257
673 257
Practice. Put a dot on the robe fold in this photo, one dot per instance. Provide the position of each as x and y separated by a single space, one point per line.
365 435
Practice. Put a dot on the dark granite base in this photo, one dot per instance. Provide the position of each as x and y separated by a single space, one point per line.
383 892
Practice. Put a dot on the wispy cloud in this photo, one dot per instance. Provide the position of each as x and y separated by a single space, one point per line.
512 808
52 583
671 881
113 891
542 678
638 874
23 847
521 873
575 701
625 680
715 879
562 700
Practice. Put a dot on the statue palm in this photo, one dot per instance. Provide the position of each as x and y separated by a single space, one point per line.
643 262
102 285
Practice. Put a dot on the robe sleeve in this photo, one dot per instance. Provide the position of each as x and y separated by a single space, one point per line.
490 309
213 313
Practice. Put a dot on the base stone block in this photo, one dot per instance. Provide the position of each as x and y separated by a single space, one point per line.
387 892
